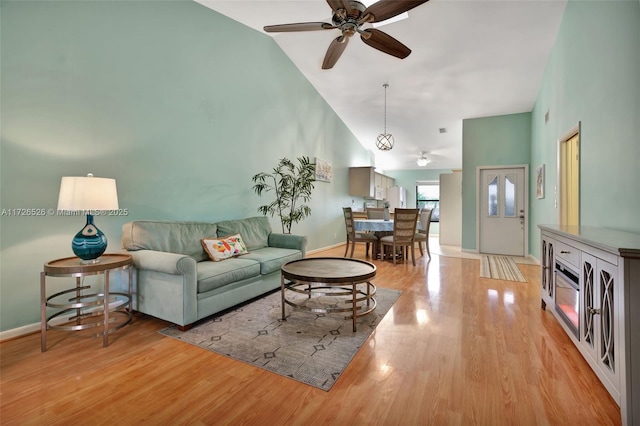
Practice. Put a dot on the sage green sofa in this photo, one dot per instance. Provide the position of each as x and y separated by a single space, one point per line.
176 281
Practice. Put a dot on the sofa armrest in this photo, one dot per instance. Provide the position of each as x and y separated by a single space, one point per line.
289 241
166 285
169 263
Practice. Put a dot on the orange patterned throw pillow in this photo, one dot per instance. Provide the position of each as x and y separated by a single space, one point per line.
224 247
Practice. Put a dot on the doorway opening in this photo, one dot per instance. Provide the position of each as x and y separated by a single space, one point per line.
569 177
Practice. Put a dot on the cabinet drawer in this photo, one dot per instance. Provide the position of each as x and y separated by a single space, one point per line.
568 253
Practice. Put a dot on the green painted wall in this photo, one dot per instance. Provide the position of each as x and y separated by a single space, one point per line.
490 141
592 77
178 103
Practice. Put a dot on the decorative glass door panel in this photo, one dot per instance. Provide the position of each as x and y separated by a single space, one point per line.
510 195
598 330
549 271
588 329
546 274
545 264
493 191
607 346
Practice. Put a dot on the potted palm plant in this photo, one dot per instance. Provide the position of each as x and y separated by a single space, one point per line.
292 185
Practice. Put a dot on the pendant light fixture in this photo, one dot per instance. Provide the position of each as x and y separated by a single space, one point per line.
422 160
384 141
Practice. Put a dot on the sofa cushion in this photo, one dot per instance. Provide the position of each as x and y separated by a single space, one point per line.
212 275
272 258
224 248
167 236
254 230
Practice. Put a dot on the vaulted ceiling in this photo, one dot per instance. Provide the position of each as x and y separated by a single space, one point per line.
470 59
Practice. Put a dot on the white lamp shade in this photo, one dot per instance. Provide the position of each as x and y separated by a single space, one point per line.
87 193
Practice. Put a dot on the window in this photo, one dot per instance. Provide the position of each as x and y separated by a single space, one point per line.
493 196
428 196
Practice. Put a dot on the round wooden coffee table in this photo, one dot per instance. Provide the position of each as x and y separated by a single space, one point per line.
331 276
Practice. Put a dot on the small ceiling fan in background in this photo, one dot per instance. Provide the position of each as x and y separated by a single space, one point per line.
349 16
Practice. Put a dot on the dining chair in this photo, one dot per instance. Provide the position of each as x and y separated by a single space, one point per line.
404 230
422 236
375 213
354 237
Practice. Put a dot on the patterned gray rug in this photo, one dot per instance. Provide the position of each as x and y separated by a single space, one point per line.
309 347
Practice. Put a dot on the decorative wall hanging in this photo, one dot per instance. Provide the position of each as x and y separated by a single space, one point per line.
324 171
540 181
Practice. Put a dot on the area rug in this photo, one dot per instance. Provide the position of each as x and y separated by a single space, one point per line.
309 347
500 268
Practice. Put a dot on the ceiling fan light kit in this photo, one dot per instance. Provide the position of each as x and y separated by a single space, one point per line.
385 141
422 160
349 16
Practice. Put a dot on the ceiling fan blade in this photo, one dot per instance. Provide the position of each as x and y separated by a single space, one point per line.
303 26
334 52
339 4
385 43
385 9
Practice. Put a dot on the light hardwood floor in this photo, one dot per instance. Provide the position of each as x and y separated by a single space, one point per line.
455 349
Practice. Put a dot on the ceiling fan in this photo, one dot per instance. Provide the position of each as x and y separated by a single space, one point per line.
349 16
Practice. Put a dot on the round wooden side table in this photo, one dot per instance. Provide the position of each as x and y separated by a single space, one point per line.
109 310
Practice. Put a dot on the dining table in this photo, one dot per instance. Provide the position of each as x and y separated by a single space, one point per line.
375 225
380 227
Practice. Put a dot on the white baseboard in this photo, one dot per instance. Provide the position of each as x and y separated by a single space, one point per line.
34 328
28 329
20 331
325 248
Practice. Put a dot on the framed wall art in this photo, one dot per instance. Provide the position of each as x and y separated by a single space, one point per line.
324 171
540 181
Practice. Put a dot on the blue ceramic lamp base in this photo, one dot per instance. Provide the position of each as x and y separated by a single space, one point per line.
90 243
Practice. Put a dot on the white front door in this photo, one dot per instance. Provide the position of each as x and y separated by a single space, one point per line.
502 210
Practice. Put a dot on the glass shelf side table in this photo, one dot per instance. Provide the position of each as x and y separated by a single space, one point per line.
109 310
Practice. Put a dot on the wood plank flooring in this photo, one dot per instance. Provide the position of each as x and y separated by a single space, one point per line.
456 349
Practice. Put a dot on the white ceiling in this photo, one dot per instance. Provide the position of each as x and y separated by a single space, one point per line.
470 58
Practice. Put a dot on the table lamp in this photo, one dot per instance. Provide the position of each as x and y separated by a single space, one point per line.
88 194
